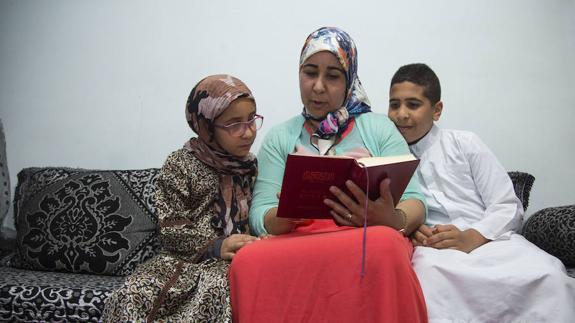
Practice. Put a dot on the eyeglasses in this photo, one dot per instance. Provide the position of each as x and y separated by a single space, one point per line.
238 129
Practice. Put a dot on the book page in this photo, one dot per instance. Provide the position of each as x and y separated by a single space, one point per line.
372 161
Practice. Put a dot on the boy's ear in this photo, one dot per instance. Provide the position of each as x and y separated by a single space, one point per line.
437 108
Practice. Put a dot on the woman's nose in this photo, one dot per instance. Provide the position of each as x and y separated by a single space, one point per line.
318 85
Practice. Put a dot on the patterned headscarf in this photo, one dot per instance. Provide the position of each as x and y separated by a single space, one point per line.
339 43
208 100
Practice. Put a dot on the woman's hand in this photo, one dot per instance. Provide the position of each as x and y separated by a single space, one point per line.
233 243
351 213
449 236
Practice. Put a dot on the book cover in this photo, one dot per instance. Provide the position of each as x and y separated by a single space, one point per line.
307 180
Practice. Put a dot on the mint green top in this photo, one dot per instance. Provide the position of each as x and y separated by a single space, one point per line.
379 136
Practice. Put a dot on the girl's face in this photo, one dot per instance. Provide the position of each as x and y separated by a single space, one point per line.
322 84
234 138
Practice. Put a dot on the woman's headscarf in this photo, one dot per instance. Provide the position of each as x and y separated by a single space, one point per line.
339 43
208 100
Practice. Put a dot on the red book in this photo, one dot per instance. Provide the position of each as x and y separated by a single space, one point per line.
307 180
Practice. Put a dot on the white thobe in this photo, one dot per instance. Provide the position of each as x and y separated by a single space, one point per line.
508 279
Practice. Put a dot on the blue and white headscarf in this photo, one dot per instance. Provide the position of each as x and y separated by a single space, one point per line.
339 43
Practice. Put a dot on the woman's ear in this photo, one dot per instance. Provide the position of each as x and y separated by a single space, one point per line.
437 108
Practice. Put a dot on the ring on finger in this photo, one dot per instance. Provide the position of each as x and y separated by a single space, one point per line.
349 216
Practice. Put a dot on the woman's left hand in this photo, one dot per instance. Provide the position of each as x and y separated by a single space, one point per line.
351 213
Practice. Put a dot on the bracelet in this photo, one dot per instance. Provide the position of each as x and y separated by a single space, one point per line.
404 216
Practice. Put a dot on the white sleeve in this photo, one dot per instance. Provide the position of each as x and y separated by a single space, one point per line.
503 210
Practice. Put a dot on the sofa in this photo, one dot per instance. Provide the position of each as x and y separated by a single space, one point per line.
80 232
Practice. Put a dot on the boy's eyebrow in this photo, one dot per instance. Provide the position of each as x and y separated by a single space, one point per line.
406 99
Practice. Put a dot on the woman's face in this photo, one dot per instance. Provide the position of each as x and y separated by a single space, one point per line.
322 84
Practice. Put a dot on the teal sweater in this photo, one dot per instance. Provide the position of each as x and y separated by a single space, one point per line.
378 133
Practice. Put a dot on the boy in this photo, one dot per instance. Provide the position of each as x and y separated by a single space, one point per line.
472 265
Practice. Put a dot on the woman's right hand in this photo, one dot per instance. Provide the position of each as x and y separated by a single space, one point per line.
347 211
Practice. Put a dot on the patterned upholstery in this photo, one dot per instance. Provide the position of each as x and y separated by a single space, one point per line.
553 230
522 183
4 177
35 296
85 221
112 232
72 223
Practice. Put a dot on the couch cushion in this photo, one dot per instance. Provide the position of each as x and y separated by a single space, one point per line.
85 221
553 230
33 296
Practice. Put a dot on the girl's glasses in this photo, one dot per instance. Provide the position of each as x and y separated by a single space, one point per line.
238 129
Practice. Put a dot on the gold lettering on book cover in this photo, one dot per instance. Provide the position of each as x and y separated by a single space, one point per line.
318 177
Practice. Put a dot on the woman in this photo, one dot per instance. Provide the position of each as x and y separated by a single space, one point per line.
203 195
311 270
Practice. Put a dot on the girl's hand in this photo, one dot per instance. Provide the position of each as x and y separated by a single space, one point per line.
449 236
233 243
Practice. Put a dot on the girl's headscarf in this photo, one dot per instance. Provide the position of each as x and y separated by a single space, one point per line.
208 100
339 43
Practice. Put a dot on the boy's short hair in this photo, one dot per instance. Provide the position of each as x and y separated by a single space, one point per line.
421 75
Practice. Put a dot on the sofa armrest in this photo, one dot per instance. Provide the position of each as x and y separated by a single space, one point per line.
7 242
553 230
522 183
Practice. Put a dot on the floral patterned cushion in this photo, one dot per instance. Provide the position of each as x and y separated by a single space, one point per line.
85 221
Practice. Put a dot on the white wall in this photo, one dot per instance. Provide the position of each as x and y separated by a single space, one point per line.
103 84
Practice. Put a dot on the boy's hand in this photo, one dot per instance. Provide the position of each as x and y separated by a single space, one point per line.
233 243
422 233
450 237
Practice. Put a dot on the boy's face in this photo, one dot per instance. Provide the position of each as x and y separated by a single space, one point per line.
411 111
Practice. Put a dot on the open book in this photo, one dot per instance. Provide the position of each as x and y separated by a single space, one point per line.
307 180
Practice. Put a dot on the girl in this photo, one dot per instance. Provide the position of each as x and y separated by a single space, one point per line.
203 194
